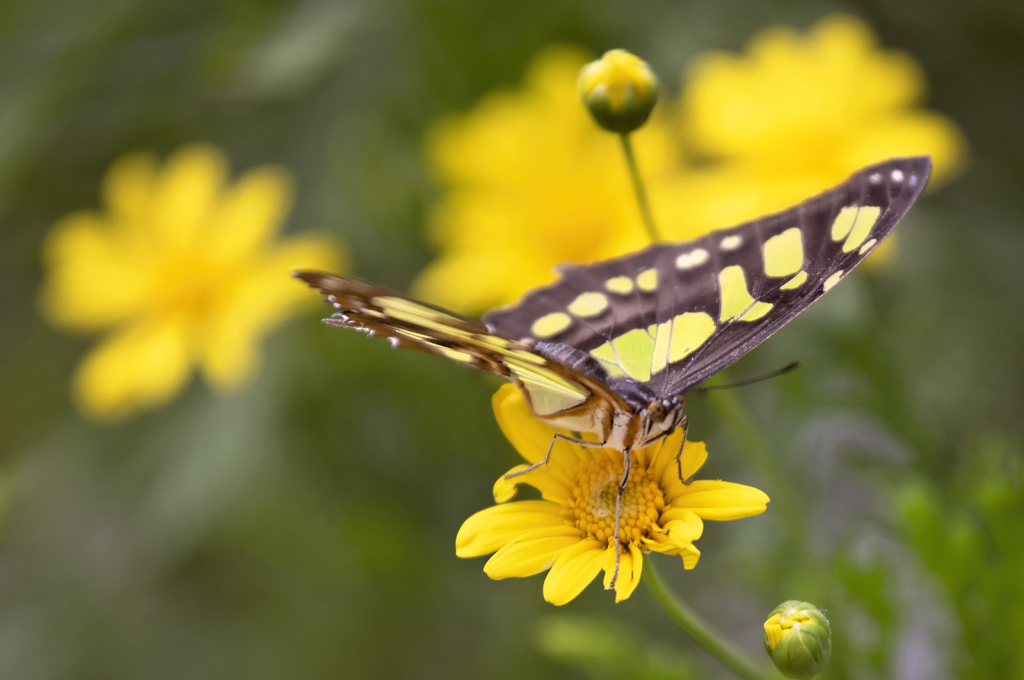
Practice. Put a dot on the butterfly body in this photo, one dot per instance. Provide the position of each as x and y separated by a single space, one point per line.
611 347
647 416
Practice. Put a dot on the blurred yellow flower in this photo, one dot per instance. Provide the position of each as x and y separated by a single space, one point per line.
799 113
180 268
571 531
533 182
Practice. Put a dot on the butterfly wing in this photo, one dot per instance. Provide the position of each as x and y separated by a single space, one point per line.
556 393
673 315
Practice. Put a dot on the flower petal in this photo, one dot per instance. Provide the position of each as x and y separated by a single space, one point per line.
530 556
717 500
185 195
624 589
494 527
690 556
251 212
913 133
573 571
630 565
141 366
552 486
261 296
97 277
666 472
530 436
683 521
128 189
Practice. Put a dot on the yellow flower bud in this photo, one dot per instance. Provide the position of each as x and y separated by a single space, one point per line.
619 90
798 639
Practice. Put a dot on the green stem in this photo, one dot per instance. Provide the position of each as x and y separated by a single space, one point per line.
698 629
638 188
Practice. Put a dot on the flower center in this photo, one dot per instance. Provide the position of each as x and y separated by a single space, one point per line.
593 501
188 285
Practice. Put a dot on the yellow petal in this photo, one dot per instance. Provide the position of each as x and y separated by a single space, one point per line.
128 190
552 486
531 556
260 297
185 195
665 469
494 527
250 212
630 566
717 500
683 523
625 588
139 367
694 456
573 571
528 435
913 133
674 540
690 556
96 277
504 207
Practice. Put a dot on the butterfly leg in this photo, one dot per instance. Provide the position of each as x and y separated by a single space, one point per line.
547 456
685 423
627 463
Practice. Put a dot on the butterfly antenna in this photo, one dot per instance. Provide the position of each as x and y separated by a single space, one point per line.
749 381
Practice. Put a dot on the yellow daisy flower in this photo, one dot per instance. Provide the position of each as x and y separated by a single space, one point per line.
570 532
533 182
179 269
816 107
797 114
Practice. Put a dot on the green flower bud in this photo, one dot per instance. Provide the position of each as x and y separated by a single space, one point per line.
619 90
798 639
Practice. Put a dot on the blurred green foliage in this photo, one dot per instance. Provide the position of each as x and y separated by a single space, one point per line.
606 649
970 538
306 527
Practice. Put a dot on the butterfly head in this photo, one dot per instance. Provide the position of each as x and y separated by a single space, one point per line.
657 415
660 417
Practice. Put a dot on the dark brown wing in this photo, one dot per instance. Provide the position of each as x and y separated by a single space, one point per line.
673 315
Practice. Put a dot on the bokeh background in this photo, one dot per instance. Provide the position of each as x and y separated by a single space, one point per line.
302 523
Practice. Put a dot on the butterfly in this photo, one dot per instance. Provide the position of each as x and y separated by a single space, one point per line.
611 347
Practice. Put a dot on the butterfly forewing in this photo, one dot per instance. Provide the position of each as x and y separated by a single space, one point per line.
555 392
673 315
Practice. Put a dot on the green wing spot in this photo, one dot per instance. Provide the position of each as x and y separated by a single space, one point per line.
866 218
784 254
606 355
680 337
844 222
631 354
736 299
795 282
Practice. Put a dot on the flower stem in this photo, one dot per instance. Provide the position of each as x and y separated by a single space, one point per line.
699 629
638 188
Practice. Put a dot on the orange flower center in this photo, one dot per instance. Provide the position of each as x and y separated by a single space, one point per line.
593 501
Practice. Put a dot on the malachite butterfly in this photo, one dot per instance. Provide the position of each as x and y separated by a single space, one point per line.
611 347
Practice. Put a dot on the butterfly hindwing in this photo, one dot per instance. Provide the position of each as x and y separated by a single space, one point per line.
673 315
558 393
